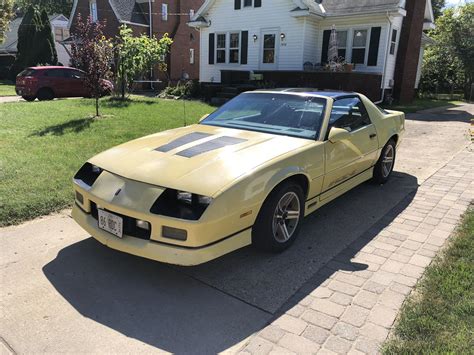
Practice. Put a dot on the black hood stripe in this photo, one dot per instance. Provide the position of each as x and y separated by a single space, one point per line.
209 146
178 142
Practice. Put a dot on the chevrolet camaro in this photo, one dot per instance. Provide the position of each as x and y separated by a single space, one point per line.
246 174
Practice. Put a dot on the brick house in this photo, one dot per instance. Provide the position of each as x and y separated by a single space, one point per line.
286 42
169 16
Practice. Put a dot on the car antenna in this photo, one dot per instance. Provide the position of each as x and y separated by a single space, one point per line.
184 77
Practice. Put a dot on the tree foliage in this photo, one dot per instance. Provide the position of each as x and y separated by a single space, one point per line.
92 53
438 6
138 54
449 64
51 6
6 14
35 41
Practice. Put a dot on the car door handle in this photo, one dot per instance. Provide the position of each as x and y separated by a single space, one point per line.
373 135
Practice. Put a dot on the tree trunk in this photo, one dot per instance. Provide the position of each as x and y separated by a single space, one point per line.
97 107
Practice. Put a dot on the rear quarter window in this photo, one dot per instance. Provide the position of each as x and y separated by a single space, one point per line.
27 72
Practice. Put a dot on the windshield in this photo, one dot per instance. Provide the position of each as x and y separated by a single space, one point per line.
283 114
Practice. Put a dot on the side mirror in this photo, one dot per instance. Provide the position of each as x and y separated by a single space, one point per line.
338 134
203 117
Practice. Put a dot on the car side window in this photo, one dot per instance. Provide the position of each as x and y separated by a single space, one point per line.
56 73
349 113
74 74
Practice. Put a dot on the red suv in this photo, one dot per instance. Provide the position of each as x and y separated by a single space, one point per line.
46 83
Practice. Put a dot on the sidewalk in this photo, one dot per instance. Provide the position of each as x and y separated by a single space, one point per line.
351 304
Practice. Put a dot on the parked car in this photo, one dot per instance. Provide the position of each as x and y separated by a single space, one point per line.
246 174
49 82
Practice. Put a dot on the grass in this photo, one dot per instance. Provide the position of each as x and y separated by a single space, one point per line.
420 104
439 317
7 88
42 145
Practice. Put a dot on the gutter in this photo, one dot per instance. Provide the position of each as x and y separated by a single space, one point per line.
389 34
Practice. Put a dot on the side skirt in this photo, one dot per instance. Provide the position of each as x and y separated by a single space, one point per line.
326 197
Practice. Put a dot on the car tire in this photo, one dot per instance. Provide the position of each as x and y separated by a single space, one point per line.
29 98
275 229
384 166
45 94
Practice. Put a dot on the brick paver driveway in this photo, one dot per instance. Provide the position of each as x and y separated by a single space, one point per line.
338 289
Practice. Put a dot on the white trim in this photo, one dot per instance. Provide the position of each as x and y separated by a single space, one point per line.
71 16
133 23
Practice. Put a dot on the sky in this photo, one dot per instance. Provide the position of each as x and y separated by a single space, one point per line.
456 2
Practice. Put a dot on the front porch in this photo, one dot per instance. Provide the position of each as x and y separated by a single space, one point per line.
368 84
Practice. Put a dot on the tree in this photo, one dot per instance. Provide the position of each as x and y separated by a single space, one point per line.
35 41
448 63
136 55
6 14
51 6
92 53
438 6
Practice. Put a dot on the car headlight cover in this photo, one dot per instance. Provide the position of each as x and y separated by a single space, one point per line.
87 175
181 204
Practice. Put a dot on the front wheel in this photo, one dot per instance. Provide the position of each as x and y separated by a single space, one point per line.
279 220
29 98
384 167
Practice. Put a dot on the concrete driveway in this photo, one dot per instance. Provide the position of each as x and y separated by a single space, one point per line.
61 291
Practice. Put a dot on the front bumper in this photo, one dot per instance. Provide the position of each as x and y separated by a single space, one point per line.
159 251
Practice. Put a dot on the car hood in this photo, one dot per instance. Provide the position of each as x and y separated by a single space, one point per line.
200 158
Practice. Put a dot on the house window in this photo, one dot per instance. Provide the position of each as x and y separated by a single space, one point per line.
393 41
248 3
359 46
164 12
234 45
341 44
269 41
221 48
93 10
191 56
60 33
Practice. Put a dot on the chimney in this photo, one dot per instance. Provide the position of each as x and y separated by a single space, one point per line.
409 51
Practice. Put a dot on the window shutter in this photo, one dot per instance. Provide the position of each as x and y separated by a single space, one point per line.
374 46
212 45
244 47
237 4
257 3
324 54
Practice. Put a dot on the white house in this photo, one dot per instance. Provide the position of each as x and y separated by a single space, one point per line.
269 36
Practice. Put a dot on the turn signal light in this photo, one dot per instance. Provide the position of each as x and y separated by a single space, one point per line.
174 233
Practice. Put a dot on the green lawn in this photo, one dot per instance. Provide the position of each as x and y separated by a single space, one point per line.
439 317
420 104
7 88
42 145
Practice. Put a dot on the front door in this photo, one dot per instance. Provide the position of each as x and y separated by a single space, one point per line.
348 158
269 50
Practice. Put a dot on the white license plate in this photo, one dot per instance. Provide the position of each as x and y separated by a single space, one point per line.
111 223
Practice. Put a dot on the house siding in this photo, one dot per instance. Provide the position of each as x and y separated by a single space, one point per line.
392 58
311 41
273 15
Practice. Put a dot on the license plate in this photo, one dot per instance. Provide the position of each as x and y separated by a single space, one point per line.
111 223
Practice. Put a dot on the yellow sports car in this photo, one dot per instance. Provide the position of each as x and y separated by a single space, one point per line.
246 174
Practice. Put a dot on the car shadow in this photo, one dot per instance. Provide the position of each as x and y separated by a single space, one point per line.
119 103
453 114
214 306
72 126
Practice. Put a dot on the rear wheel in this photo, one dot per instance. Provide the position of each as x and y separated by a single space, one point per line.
384 167
29 98
45 94
279 220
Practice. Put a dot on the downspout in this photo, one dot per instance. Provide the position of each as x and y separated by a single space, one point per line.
173 34
389 34
150 23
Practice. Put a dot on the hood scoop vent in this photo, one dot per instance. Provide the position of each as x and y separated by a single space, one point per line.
209 146
186 139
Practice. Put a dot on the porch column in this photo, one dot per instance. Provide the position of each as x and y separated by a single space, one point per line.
409 51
